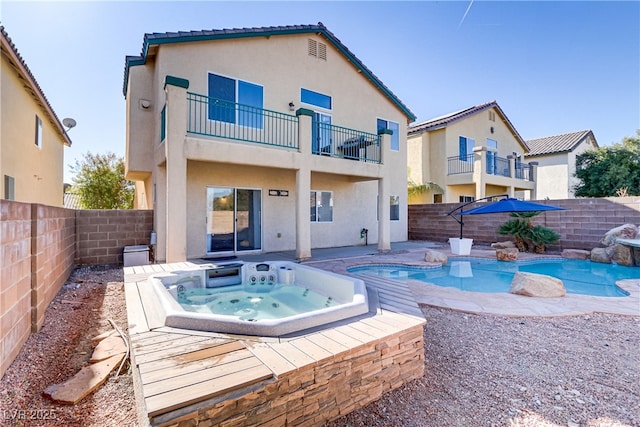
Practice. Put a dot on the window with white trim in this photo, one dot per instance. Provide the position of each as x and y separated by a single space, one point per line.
38 139
467 199
9 188
321 206
394 206
466 148
235 101
393 127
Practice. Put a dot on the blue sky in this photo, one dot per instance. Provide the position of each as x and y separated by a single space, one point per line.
553 67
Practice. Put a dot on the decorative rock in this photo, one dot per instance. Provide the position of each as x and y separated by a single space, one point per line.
636 256
507 254
575 254
621 254
600 255
537 285
626 231
432 255
503 245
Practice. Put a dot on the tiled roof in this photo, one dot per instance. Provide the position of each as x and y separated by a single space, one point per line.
558 143
31 84
72 201
443 121
151 39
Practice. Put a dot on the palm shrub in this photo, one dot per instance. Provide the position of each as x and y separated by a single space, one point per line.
528 237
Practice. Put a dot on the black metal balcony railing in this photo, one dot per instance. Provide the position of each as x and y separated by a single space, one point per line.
460 164
338 141
494 166
523 171
497 165
224 119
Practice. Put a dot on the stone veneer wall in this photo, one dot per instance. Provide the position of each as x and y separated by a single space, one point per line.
581 226
103 234
39 248
323 391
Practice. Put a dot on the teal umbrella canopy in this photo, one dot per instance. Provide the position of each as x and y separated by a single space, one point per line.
511 205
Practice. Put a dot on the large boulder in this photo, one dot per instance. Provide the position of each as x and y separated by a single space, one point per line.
507 254
621 254
575 254
537 285
503 245
626 231
600 255
432 255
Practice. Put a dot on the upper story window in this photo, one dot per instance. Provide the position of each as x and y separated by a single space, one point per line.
38 139
235 101
315 98
395 136
466 148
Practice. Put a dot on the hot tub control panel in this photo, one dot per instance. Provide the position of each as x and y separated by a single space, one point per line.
224 275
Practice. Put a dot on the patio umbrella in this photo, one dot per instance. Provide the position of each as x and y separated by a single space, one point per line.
511 205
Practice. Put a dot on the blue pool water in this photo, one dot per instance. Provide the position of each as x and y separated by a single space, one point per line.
485 275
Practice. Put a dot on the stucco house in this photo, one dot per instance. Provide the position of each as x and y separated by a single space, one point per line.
261 140
32 138
556 157
468 155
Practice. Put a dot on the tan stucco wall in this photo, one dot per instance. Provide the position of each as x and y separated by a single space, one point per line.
556 172
282 66
437 146
38 172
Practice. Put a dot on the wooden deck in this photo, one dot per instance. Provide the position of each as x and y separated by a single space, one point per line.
180 372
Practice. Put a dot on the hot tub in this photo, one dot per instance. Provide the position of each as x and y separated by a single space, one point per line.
264 299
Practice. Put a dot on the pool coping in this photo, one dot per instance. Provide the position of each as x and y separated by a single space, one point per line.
504 304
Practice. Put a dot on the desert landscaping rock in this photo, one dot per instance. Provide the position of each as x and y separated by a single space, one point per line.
600 255
625 231
432 255
621 254
503 245
575 254
537 285
507 254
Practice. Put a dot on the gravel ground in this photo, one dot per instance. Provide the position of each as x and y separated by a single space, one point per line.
61 348
485 370
480 370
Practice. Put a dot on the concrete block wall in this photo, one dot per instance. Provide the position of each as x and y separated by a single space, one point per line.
15 279
102 234
581 225
39 248
53 253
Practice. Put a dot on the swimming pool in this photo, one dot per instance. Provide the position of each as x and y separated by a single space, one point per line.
486 275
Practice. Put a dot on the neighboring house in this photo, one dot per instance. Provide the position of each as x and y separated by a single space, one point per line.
261 140
468 155
556 156
72 201
32 138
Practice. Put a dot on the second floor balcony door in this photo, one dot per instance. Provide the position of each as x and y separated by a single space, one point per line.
321 133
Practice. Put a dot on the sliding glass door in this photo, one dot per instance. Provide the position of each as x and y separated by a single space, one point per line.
233 219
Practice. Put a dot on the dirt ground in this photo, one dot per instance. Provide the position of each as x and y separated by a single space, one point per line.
62 347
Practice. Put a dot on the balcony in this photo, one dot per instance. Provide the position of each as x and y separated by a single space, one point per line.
497 166
237 122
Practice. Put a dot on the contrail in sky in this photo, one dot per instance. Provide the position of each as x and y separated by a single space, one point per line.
465 14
